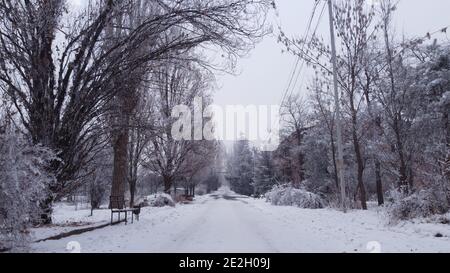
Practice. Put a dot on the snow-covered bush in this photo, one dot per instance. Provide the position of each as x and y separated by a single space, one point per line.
24 182
424 203
288 196
158 200
200 192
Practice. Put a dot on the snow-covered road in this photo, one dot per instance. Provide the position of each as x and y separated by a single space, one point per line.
227 222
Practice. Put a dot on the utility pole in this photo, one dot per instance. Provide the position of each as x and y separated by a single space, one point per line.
340 161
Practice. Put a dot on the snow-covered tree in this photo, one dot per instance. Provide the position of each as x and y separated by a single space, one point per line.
62 70
294 114
241 168
319 145
24 183
176 83
265 173
356 27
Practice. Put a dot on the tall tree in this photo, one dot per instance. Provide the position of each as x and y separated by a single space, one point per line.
294 113
61 77
241 168
356 28
395 96
175 83
265 174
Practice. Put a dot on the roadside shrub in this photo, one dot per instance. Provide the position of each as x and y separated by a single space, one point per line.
288 196
158 200
422 204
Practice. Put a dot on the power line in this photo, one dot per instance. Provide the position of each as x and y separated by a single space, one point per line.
294 72
303 63
297 62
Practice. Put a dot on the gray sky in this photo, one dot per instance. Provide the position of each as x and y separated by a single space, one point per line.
264 74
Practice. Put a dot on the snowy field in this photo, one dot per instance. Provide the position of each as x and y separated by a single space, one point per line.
226 222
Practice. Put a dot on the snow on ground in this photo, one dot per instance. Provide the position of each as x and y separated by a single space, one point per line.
227 222
66 218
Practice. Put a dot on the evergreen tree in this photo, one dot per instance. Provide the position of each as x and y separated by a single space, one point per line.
265 177
241 168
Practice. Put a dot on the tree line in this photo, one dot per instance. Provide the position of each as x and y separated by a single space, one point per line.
395 102
87 95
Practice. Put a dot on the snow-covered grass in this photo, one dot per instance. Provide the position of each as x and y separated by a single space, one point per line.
67 218
329 230
227 222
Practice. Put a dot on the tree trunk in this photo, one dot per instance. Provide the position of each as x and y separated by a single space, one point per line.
300 171
333 153
167 184
376 132
379 183
120 164
359 161
47 209
410 176
403 184
447 156
132 185
362 189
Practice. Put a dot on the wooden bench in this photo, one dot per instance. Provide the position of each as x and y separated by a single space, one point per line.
117 206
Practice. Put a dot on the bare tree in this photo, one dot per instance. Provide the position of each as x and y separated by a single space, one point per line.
174 84
61 77
141 131
321 104
356 28
202 159
295 113
229 35
393 96
367 82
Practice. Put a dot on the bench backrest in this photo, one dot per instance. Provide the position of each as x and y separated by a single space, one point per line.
137 209
117 202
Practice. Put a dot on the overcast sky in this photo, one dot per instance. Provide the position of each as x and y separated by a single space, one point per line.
265 73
